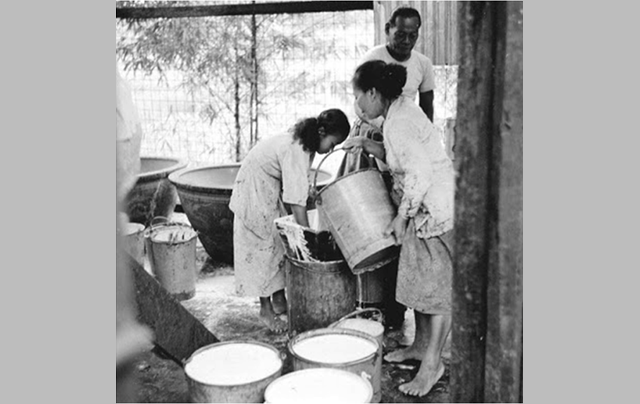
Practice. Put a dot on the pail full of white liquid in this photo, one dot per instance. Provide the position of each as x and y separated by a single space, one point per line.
319 386
232 372
338 348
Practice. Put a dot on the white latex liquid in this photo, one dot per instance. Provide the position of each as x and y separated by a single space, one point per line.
233 364
370 327
334 348
173 234
319 385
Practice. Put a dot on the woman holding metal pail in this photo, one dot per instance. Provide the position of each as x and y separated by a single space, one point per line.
377 288
424 181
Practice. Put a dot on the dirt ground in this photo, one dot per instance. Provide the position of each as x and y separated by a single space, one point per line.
230 317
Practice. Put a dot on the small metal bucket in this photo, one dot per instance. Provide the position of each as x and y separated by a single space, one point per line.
171 249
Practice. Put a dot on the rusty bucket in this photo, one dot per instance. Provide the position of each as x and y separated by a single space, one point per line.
357 209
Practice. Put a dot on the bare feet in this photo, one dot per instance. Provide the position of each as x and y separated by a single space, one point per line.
274 323
279 302
423 382
402 355
279 307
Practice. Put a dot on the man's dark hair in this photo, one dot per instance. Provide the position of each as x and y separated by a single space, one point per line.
404 12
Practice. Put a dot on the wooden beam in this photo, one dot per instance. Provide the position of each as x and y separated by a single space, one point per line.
294 7
176 331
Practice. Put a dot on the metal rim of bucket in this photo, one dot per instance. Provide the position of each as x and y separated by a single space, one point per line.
218 344
307 265
332 331
325 186
353 316
358 312
297 373
346 176
149 232
376 265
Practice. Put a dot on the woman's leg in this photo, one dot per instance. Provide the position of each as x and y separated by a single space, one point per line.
432 367
279 301
269 317
419 346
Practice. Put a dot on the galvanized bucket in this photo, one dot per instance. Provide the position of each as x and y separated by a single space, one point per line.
171 249
357 209
338 348
319 385
232 372
318 293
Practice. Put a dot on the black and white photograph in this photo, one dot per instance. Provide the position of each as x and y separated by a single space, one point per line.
319 201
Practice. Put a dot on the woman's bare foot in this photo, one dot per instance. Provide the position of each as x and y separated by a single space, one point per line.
279 307
402 355
279 302
423 382
274 323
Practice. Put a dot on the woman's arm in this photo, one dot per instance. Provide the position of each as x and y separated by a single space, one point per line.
300 214
361 143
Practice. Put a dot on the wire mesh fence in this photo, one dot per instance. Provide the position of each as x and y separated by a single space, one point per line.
272 70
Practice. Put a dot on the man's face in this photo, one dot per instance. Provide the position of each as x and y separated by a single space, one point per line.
403 37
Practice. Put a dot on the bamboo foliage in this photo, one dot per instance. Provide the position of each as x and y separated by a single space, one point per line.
234 60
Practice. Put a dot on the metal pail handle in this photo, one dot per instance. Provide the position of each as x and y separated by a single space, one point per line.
358 312
315 177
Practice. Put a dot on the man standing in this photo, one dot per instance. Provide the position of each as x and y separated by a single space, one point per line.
402 34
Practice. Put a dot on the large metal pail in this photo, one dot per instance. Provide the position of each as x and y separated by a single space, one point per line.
357 209
232 372
347 349
319 385
318 293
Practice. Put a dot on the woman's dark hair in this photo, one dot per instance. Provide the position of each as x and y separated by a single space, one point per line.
332 120
387 78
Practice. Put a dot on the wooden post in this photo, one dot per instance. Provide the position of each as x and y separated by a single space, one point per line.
503 368
176 331
486 361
